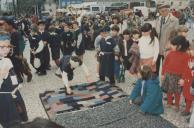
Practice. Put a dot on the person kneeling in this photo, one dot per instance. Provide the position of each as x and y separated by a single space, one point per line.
147 93
67 65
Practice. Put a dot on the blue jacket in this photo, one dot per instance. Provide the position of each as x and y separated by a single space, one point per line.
152 96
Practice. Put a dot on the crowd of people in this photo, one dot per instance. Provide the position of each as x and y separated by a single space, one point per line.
157 56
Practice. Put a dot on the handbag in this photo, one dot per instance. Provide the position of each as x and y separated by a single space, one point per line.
192 91
164 86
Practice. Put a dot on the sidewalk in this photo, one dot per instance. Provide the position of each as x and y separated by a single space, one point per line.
31 91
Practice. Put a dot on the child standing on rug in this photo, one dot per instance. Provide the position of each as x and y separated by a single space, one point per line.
175 70
147 93
12 107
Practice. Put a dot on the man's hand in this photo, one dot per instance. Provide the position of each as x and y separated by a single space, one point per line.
116 58
44 42
162 77
181 82
153 63
130 102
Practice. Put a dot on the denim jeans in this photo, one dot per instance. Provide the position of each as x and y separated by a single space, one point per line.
117 69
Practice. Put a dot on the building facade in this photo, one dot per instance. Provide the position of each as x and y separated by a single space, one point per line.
6 5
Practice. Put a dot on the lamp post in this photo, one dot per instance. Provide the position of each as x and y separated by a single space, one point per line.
14 8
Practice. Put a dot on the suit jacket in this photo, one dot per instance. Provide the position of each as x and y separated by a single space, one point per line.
122 47
171 23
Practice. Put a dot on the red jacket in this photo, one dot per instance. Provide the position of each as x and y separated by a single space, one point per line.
178 63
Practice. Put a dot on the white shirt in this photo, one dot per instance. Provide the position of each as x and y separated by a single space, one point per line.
148 50
142 87
125 47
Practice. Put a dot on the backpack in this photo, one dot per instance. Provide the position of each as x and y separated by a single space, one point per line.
22 43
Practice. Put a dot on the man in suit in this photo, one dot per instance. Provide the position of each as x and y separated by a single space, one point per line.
165 24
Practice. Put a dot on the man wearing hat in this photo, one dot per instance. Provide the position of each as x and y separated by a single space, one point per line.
20 63
165 23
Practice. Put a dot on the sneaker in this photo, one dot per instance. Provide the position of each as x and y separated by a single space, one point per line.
29 77
58 75
42 73
188 119
185 113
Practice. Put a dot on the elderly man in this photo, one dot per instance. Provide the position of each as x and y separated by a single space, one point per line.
165 24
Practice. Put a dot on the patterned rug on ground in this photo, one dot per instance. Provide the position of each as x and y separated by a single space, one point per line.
97 105
84 96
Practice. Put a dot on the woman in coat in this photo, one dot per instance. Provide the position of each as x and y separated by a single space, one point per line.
147 93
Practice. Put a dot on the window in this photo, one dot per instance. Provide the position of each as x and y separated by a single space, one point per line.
152 4
180 3
95 9
172 3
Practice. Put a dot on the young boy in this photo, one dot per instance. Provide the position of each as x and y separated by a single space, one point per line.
108 53
44 55
116 38
78 37
67 40
55 43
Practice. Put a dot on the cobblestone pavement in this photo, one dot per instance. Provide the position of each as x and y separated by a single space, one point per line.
31 91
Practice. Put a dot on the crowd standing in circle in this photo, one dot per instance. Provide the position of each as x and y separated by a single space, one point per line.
152 54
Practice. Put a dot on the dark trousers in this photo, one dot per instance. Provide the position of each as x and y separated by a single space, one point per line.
158 63
111 79
44 60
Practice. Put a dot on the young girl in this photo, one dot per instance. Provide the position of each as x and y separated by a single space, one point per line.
148 46
134 52
12 107
129 51
175 70
147 93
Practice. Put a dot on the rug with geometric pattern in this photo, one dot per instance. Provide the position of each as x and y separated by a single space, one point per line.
97 105
84 96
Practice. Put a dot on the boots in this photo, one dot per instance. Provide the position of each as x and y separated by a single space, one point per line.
26 70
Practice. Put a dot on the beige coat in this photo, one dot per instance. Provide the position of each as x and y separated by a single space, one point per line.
171 24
